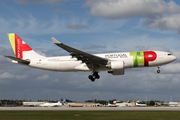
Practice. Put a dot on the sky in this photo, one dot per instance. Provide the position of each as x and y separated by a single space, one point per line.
93 26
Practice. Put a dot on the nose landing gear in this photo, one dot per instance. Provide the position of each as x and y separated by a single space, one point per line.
94 76
158 71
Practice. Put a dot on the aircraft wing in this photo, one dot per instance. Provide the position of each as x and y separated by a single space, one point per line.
19 60
80 55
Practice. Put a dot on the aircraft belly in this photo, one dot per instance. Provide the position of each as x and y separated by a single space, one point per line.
82 67
159 62
154 63
63 66
55 66
38 64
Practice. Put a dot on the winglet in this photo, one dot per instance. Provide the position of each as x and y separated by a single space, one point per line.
55 41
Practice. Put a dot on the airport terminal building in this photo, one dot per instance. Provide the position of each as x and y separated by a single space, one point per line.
74 104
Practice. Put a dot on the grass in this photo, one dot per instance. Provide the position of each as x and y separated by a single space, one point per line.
89 115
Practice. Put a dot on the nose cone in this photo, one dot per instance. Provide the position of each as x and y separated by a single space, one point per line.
169 59
174 58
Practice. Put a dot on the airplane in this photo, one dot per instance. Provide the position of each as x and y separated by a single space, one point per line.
141 105
113 63
112 105
51 104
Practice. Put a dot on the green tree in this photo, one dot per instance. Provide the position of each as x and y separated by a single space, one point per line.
151 103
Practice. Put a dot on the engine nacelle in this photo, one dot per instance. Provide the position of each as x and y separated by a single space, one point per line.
117 67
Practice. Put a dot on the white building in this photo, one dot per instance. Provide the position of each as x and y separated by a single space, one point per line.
126 104
174 104
32 103
86 104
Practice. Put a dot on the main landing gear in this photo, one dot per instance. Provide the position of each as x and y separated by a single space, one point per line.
94 76
158 71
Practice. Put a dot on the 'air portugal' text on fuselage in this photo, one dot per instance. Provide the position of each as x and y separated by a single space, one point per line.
114 63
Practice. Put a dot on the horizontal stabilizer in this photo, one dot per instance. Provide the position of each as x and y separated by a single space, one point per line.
19 60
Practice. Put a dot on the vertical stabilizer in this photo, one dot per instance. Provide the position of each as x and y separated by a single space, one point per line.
20 48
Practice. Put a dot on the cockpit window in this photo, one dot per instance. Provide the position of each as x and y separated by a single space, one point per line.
169 54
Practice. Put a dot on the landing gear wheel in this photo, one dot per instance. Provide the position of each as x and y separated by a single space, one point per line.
158 71
90 77
94 76
97 76
93 79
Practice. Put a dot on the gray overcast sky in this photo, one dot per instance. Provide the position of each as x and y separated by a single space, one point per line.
94 26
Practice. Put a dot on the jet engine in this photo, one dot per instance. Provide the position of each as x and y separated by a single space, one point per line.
117 67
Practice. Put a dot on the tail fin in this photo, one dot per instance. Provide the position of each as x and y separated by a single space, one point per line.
20 48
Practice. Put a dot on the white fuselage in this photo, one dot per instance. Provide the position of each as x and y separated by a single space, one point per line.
67 63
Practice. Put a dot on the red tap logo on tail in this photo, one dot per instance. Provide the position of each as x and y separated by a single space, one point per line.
18 45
